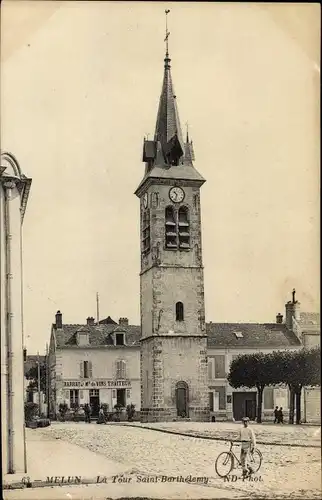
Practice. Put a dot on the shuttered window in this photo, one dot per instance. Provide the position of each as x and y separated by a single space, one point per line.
211 368
86 369
120 369
220 371
222 397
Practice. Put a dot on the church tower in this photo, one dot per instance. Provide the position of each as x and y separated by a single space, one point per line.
173 333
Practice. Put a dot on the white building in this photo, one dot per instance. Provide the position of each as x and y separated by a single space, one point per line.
94 364
14 191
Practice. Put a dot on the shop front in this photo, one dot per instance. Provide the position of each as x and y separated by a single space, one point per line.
97 392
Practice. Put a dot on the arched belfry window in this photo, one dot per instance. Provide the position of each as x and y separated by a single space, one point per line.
184 227
179 311
146 240
170 228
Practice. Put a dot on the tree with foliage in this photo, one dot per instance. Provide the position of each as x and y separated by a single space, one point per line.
253 370
298 369
32 376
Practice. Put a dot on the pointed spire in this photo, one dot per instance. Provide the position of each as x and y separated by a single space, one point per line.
168 128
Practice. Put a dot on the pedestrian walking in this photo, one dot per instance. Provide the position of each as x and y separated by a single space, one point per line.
276 415
87 410
248 443
280 418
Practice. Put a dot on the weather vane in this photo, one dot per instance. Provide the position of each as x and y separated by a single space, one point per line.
167 33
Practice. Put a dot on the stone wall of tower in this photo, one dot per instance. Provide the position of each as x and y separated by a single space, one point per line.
178 284
165 361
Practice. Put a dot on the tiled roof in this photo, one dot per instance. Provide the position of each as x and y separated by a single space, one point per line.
271 335
253 335
98 335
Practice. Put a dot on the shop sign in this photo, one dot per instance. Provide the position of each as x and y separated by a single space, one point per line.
96 384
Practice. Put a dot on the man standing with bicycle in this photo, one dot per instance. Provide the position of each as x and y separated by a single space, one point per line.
248 443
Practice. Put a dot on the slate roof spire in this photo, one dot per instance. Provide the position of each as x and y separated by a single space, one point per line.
168 129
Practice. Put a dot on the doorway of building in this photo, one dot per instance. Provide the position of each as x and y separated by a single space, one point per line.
244 405
182 399
120 397
94 401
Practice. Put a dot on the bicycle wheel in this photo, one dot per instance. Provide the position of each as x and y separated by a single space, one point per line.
255 460
224 464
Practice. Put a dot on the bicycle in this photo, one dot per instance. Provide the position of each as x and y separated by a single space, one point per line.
229 460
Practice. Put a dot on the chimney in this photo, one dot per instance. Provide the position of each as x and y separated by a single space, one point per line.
59 320
90 321
25 354
279 318
292 310
124 322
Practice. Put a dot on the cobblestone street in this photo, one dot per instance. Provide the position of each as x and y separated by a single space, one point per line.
287 471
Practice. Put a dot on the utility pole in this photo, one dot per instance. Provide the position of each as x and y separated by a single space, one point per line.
47 379
39 402
97 308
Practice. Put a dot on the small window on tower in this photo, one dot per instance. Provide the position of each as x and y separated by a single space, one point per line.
146 244
179 311
170 228
184 228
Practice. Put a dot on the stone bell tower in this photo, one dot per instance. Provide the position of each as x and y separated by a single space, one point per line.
173 333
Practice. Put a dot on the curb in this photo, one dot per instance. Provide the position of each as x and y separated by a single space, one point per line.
212 438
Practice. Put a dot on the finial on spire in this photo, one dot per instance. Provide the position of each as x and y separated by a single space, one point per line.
187 125
167 33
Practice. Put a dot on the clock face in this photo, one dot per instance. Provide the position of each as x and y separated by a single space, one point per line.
176 194
145 200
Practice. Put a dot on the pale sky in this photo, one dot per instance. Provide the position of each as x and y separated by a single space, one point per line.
80 84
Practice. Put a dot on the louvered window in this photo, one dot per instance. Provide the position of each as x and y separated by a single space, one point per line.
146 236
184 227
170 228
177 228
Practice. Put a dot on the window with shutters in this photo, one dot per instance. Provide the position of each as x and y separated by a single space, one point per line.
211 368
74 397
120 369
268 398
221 391
183 227
220 371
170 228
86 370
179 311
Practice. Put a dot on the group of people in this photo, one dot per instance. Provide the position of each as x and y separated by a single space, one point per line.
101 419
278 416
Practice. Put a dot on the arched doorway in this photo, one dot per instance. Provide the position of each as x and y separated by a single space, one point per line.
182 399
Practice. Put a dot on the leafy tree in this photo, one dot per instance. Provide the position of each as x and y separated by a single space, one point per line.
253 370
32 376
299 369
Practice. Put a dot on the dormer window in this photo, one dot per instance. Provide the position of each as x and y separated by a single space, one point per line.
239 335
82 339
119 339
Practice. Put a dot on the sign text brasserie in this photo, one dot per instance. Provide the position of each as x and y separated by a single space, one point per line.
97 383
